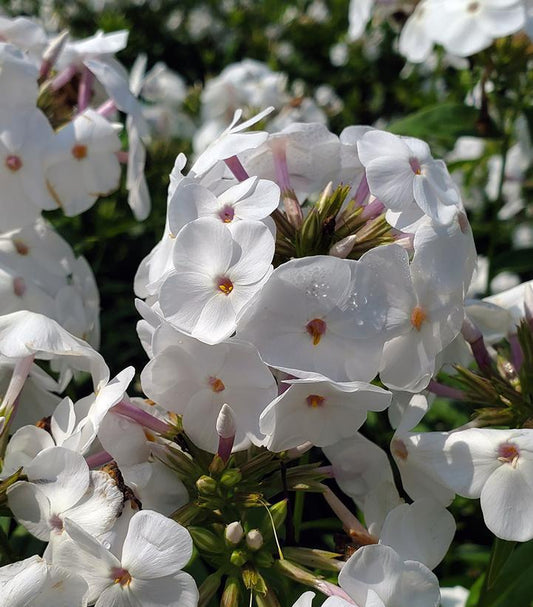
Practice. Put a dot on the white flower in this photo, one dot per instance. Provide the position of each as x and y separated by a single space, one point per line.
148 572
320 412
467 27
216 273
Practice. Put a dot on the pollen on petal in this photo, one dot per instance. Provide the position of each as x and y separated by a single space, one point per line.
19 286
217 385
224 285
508 453
418 316
316 328
121 576
21 247
399 449
315 400
13 163
79 151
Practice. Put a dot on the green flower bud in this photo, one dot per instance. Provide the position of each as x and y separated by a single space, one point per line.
232 593
269 600
253 580
209 588
206 485
264 559
230 478
238 558
206 541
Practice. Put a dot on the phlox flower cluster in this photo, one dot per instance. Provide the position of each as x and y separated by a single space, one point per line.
303 279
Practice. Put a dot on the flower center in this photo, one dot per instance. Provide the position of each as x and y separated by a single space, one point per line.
415 166
316 328
314 401
225 285
473 7
13 163
19 286
56 523
227 214
217 385
508 453
20 247
79 151
399 449
121 576
418 316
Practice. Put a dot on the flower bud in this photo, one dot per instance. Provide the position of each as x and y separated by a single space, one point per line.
254 539
230 478
232 593
238 558
206 485
205 540
263 559
234 532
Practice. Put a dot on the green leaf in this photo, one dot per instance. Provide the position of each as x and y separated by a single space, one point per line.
442 123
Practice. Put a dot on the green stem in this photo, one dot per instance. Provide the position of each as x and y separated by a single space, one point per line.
501 551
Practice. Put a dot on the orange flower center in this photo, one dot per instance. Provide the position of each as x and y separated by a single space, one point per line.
315 401
217 385
316 328
79 151
418 316
225 285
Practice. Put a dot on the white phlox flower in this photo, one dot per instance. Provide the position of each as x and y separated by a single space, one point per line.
84 164
61 485
377 576
472 26
195 379
217 270
362 470
306 600
320 412
148 572
401 173
495 466
38 583
321 315
18 79
415 41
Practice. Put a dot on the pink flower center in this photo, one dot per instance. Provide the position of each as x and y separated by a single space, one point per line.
227 214
56 523
121 576
508 453
19 286
225 285
13 163
79 151
415 166
316 328
315 400
217 385
399 449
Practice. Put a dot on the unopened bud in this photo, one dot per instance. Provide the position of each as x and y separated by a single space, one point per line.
205 540
344 247
226 429
51 53
238 558
206 485
232 593
234 532
230 478
254 539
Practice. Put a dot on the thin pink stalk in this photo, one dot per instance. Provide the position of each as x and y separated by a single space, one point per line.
362 192
474 337
235 166
446 391
108 108
330 589
140 416
373 210
517 356
350 522
63 77
16 383
293 210
85 89
122 156
98 459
